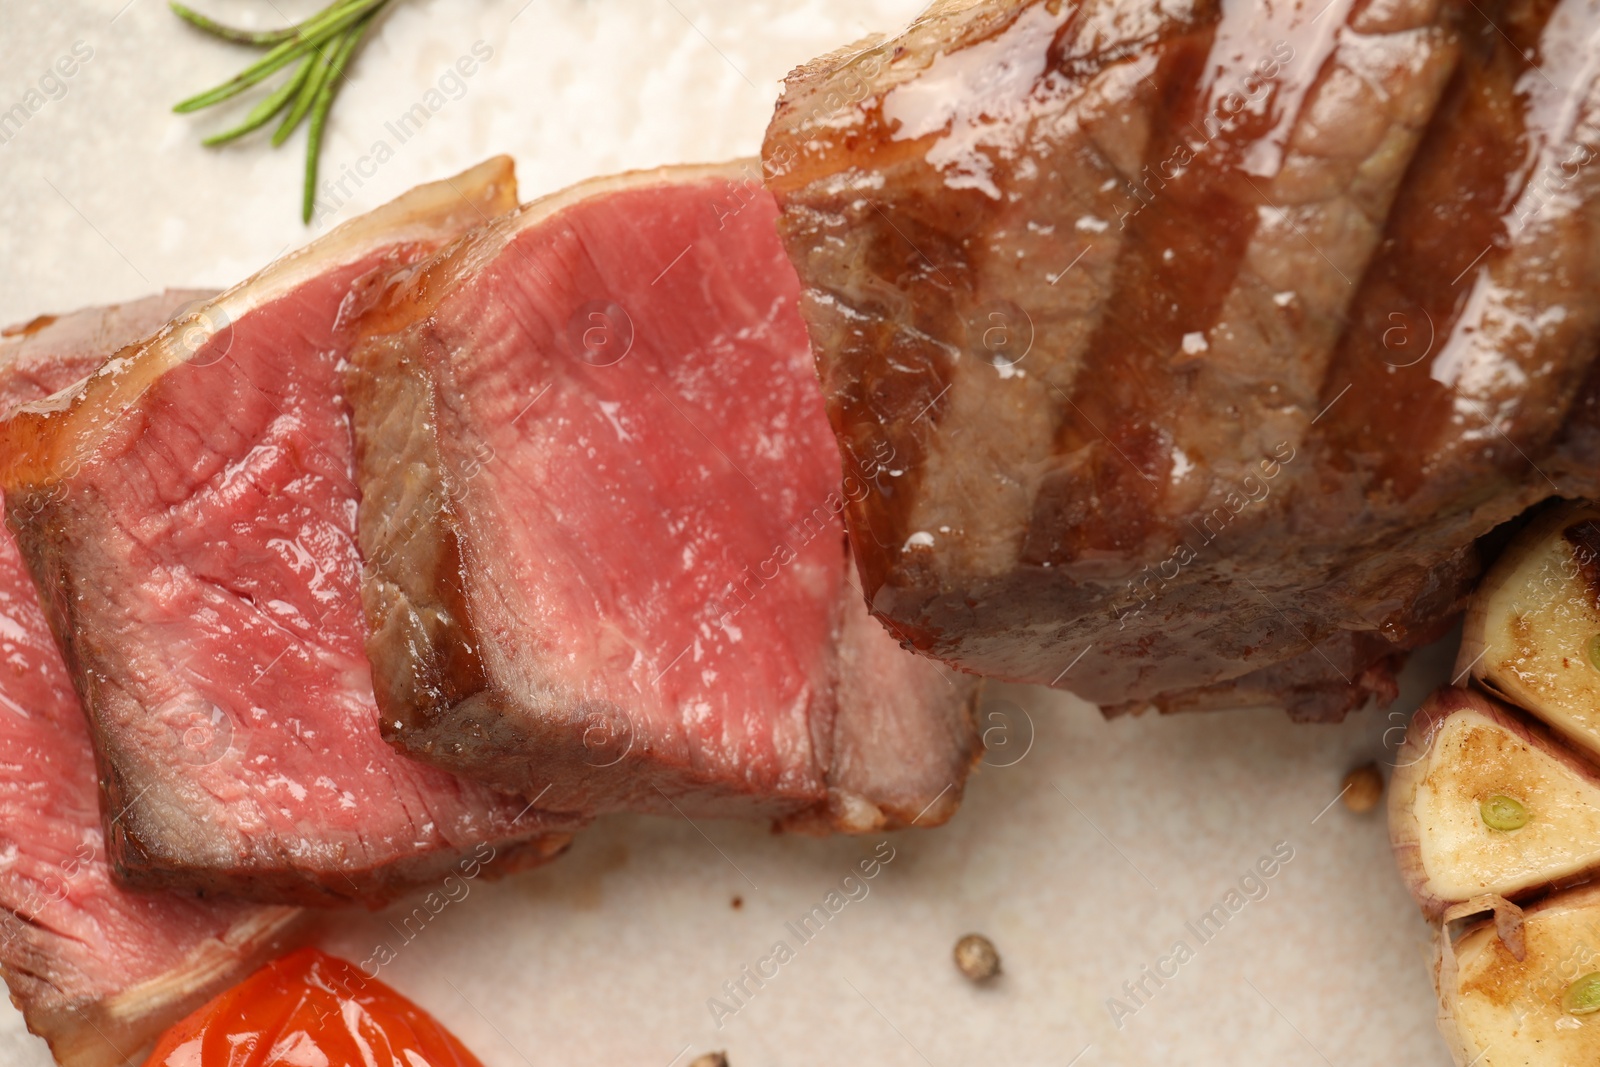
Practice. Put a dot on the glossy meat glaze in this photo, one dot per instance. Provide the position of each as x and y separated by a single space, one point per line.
1204 339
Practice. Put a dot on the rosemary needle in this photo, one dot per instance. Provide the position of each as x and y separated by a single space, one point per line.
319 112
229 33
262 112
318 68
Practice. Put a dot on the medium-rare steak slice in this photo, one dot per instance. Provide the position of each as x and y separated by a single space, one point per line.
188 513
600 507
97 970
1207 338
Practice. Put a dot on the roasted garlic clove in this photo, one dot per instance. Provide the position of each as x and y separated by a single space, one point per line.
1485 801
1496 1010
1532 632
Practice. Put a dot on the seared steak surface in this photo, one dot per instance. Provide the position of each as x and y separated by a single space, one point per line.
600 507
97 970
189 514
1207 338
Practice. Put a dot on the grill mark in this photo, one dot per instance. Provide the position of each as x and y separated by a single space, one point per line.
1117 459
1448 220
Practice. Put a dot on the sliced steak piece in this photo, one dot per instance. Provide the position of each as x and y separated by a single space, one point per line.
1140 297
188 513
97 970
600 507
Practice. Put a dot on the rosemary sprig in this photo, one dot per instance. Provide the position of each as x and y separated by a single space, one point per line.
337 18
321 47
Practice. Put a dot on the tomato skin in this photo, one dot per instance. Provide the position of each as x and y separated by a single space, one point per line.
309 1009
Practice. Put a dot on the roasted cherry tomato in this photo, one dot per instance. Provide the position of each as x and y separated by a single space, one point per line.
310 1009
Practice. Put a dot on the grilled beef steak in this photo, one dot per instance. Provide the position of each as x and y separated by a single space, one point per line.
1207 338
600 507
188 513
97 970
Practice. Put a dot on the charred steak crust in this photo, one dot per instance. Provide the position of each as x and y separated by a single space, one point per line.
1207 338
425 664
469 665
